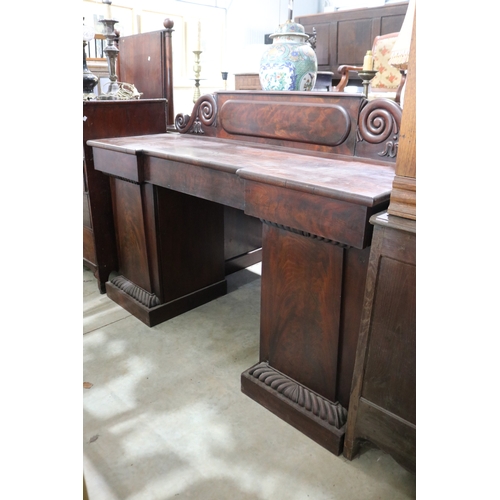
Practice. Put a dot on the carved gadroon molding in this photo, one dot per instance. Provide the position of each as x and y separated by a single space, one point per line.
303 233
379 123
332 413
136 292
204 113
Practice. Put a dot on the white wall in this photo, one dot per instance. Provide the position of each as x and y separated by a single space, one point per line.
232 37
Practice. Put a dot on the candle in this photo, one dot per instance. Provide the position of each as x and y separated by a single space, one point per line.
368 61
108 9
198 40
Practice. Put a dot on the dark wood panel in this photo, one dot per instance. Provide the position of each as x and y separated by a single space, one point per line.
391 352
321 121
119 164
391 24
191 239
328 218
130 233
89 257
242 233
389 433
323 124
300 314
146 61
323 36
86 212
213 185
354 39
353 286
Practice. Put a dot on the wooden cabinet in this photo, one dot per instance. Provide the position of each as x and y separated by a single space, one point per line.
383 400
109 119
247 81
343 37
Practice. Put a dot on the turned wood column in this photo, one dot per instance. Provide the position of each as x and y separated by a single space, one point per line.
404 191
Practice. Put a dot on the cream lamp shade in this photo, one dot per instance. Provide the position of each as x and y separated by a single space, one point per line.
401 50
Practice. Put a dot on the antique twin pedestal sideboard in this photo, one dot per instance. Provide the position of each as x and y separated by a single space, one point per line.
310 168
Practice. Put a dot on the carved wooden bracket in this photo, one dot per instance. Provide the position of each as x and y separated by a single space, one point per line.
379 123
204 113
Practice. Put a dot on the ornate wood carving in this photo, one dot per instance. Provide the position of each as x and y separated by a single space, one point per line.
204 113
136 292
333 413
304 233
379 123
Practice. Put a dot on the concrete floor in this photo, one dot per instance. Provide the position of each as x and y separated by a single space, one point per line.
165 418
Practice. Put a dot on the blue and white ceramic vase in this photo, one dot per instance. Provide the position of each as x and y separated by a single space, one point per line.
290 63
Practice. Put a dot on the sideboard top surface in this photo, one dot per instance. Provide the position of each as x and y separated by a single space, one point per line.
354 180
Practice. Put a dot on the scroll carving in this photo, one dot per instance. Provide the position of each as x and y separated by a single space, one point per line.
204 113
136 292
379 123
333 413
303 233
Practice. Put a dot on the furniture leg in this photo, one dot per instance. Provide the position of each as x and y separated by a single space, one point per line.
309 324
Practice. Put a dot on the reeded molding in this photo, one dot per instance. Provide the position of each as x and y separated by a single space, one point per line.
303 233
379 123
204 113
136 292
332 413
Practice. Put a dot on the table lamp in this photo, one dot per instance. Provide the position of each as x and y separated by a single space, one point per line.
401 51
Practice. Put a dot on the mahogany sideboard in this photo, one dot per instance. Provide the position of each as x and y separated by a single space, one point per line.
109 119
312 168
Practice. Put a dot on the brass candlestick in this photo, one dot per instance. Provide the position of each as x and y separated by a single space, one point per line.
366 76
111 52
197 71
